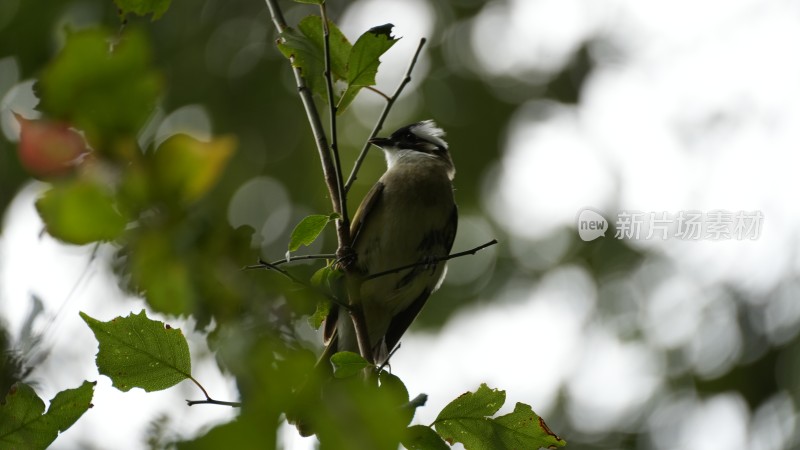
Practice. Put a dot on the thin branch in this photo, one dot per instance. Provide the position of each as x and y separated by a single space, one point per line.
344 220
335 187
432 261
262 265
389 358
209 400
360 325
343 223
270 266
378 91
379 124
277 15
306 96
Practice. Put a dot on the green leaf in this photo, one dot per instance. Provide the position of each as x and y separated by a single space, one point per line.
22 424
320 276
320 314
186 168
420 437
309 229
395 389
523 427
138 352
243 433
347 364
363 61
311 2
162 274
305 47
106 91
80 211
484 402
467 420
394 386
143 7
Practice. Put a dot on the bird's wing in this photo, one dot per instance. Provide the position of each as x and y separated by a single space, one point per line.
367 205
402 320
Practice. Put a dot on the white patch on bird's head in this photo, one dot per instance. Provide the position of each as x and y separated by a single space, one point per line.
407 157
429 131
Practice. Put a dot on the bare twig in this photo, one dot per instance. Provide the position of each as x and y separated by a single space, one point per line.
378 91
262 265
389 358
209 400
432 261
379 124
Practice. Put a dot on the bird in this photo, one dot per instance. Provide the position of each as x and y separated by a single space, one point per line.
409 217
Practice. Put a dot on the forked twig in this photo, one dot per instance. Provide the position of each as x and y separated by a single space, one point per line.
379 124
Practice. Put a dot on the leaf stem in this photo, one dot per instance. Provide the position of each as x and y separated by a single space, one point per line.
378 91
471 251
209 400
379 124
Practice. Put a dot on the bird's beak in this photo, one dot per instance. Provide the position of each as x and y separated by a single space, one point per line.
381 142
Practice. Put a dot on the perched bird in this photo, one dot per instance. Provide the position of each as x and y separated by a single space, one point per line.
408 217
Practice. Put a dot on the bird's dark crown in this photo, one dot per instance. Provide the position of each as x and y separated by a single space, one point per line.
423 136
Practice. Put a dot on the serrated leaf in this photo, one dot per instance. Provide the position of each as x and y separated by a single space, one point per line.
80 211
143 7
481 403
348 364
307 231
363 61
420 437
524 428
187 168
112 99
305 47
468 420
139 352
22 424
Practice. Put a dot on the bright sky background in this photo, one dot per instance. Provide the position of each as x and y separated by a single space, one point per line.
694 105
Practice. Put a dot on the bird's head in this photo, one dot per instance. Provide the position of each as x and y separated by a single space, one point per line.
417 143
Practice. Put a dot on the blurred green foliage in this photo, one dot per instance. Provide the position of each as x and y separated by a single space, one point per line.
25 424
160 202
185 258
